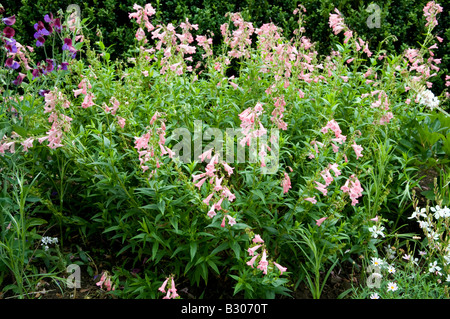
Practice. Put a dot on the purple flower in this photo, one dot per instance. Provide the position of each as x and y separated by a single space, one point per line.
11 45
67 44
10 63
43 92
9 20
64 66
41 30
8 32
36 73
57 24
40 41
50 66
19 79
48 18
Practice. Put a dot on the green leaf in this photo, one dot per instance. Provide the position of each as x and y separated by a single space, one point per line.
258 193
193 249
36 222
213 266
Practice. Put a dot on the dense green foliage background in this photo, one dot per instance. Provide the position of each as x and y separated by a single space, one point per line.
402 18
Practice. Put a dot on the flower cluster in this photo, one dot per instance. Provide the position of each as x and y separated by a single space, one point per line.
105 281
352 186
353 189
46 241
222 191
252 128
169 283
261 259
59 120
427 98
240 39
277 113
115 106
145 144
430 12
434 223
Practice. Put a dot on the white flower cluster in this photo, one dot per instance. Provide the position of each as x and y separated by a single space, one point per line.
377 231
427 98
46 240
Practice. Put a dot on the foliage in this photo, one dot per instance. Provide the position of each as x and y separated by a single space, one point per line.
325 151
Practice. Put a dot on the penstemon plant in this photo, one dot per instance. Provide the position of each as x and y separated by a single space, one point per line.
123 151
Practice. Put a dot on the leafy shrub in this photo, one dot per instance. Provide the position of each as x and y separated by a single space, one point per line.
121 151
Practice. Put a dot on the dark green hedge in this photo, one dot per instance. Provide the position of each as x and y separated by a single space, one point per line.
402 18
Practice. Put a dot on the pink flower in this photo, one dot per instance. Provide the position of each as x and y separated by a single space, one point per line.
218 187
251 251
200 183
121 121
87 102
102 280
358 149
321 188
257 239
27 144
140 34
207 199
334 168
320 221
228 168
375 219
282 269
336 22
251 262
154 118
263 263
311 199
212 212
334 126
218 205
327 176
206 154
286 183
223 222
231 220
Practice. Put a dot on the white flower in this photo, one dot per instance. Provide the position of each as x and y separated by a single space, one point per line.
438 212
435 268
46 240
376 231
427 98
390 253
420 213
375 295
448 278
392 286
391 269
377 261
424 225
